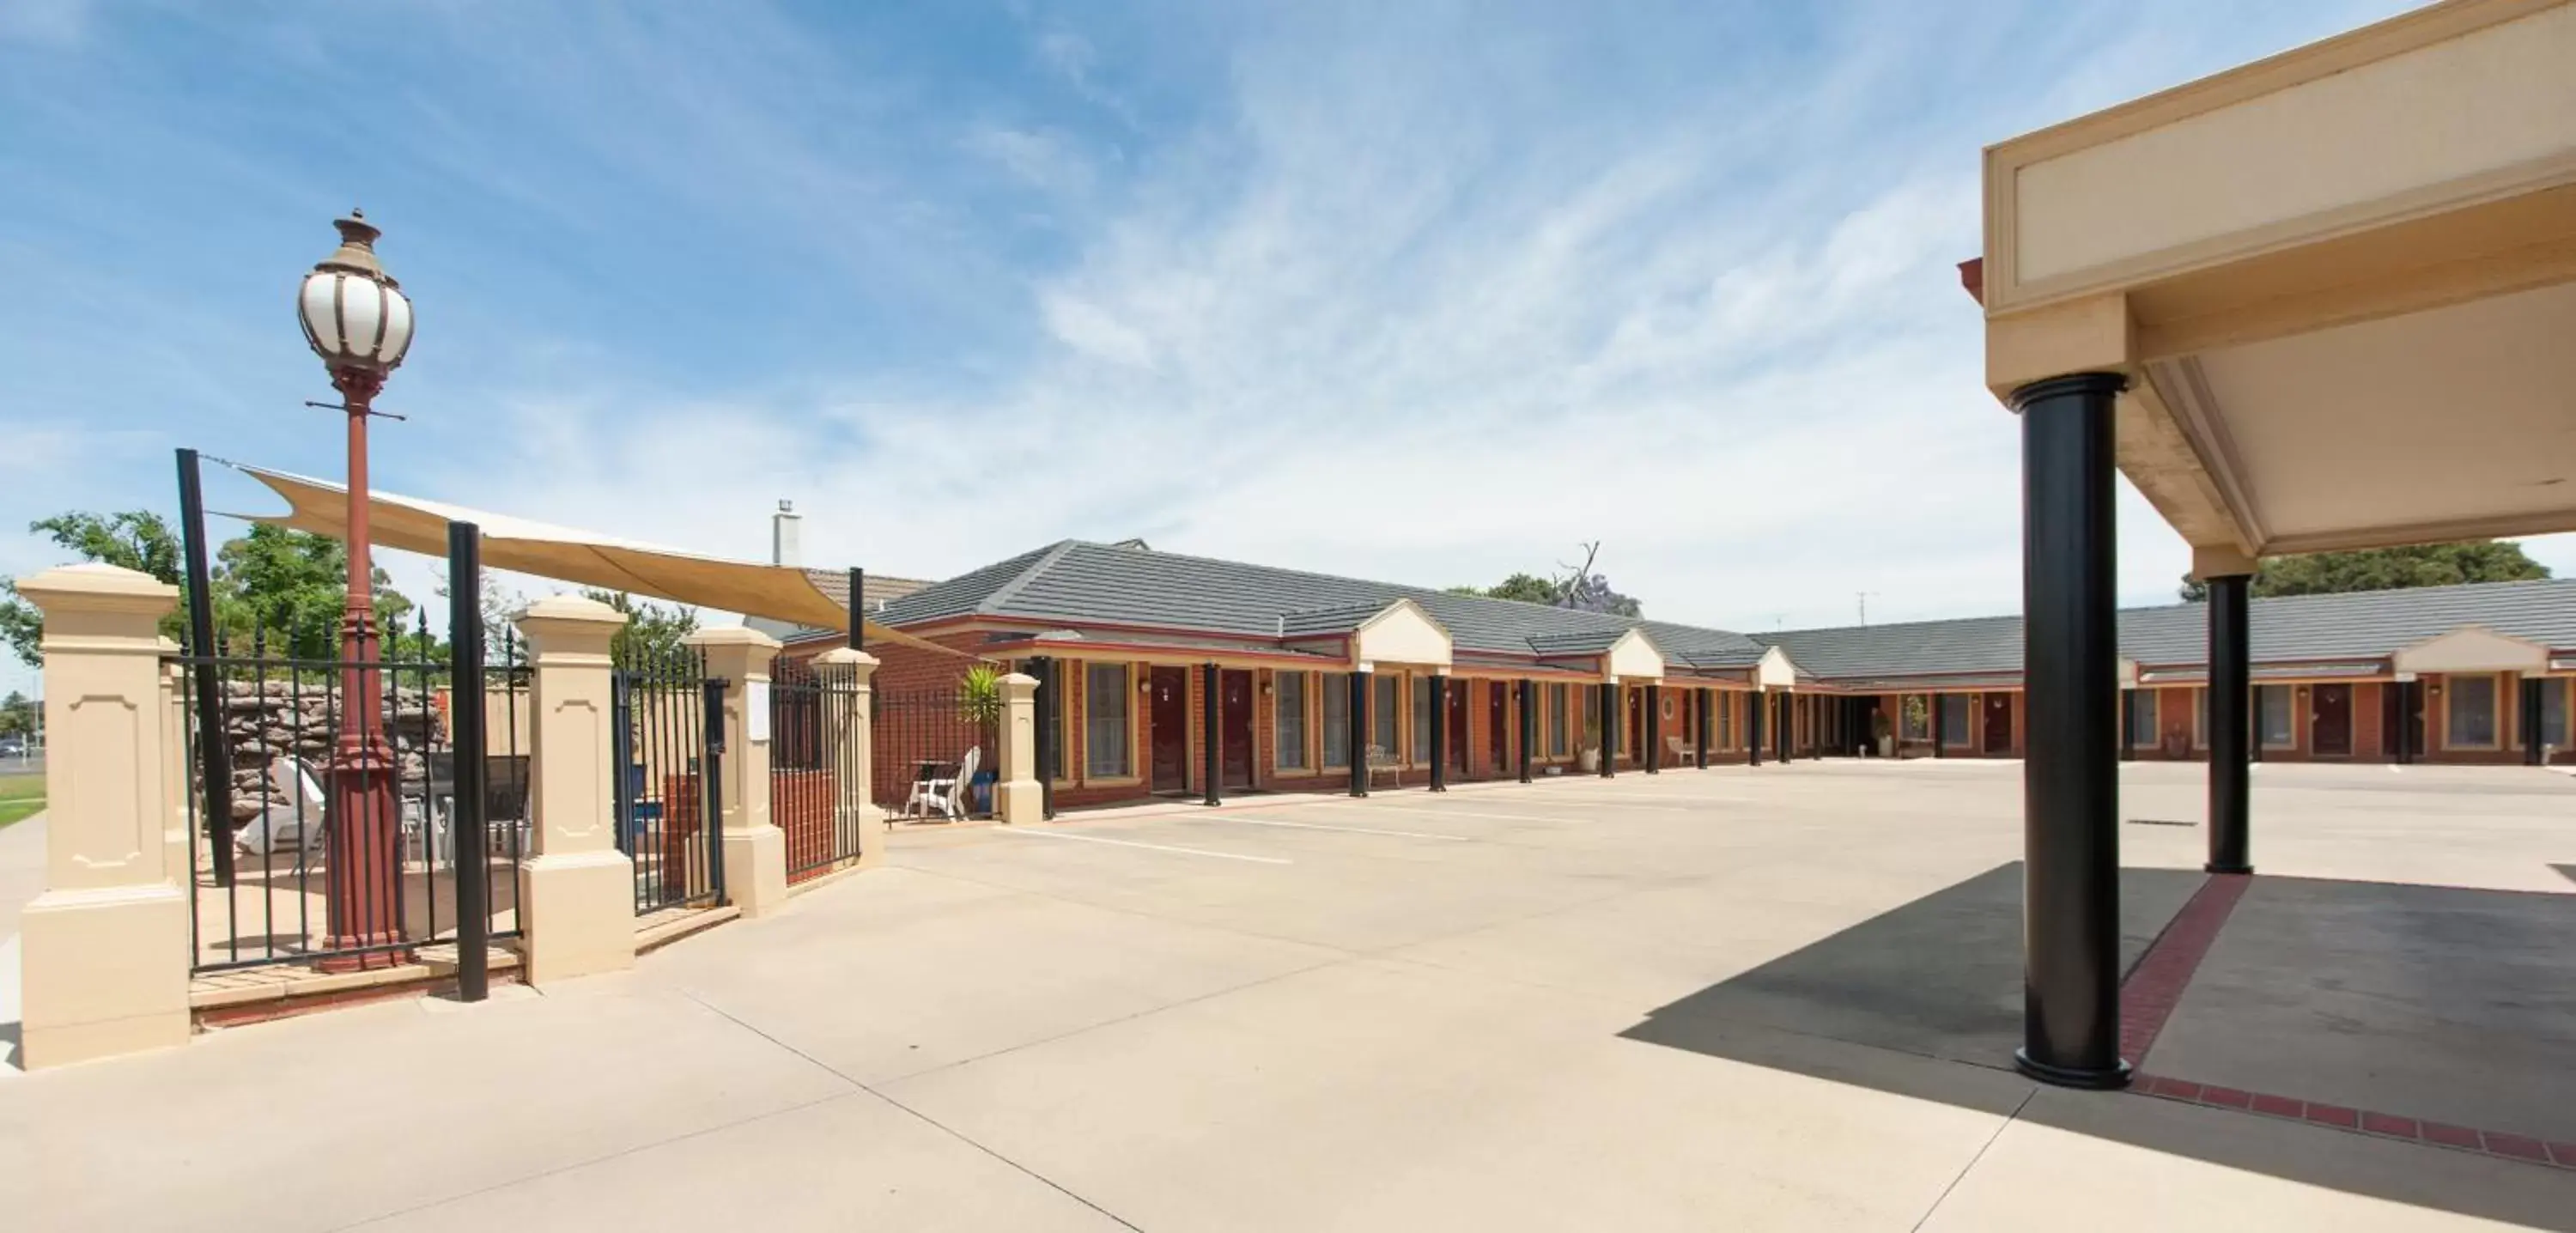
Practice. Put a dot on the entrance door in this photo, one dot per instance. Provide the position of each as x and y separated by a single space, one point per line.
1998 723
1234 721
1632 739
2330 721
1456 730
1168 717
1498 731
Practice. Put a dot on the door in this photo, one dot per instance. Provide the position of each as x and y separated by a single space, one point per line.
2330 721
1998 723
1498 726
1168 718
1234 721
1456 730
1632 739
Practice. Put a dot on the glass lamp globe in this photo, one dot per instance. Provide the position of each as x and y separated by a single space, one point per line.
354 314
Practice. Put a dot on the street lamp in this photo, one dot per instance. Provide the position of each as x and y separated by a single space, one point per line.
356 319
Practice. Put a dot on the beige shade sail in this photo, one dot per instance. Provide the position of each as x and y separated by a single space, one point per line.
779 592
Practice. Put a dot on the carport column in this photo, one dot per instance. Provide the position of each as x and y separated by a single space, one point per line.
1753 704
755 850
1932 714
2529 727
1785 722
1699 725
2071 780
1529 725
2128 723
2404 689
1359 730
577 894
1209 711
1050 756
1439 732
1608 701
1654 733
1018 800
849 675
2230 735
104 950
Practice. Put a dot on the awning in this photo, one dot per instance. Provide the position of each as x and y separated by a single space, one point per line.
779 592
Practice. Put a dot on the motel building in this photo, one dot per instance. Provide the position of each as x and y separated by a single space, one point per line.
1317 683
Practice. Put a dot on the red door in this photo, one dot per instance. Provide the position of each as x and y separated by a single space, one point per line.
2330 721
1998 723
1456 731
1234 720
1168 715
1498 726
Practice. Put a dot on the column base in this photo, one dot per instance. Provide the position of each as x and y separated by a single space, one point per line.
580 914
1018 802
2215 867
2117 1076
103 972
755 869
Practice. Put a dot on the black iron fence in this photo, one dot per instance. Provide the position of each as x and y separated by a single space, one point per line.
809 720
322 803
933 751
667 775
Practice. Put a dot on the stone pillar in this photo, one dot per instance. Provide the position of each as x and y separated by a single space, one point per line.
755 850
180 845
577 893
849 673
1017 796
104 950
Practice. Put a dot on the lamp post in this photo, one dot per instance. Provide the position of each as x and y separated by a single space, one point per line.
356 319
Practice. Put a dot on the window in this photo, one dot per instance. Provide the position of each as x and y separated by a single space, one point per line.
1288 696
1954 719
1556 724
2553 713
2142 717
1918 718
1337 722
2471 707
1105 702
1421 720
1385 719
2280 729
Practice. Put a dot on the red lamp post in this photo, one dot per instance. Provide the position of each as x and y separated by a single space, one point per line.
356 318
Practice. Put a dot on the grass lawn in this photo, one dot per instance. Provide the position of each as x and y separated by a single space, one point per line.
20 795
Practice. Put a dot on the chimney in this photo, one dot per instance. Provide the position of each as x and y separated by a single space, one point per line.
785 544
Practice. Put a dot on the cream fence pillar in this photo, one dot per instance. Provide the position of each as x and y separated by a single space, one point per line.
104 950
179 845
755 850
1017 796
851 671
577 894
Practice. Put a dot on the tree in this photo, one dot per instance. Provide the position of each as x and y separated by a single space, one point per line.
17 714
1579 588
134 539
652 632
2387 569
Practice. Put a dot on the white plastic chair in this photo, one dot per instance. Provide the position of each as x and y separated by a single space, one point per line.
945 795
295 822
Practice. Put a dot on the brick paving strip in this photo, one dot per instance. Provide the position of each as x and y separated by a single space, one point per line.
2155 987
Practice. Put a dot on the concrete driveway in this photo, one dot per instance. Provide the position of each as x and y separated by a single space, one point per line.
1742 998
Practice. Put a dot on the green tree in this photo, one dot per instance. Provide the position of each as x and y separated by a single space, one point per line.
652 631
1527 588
134 539
17 714
2388 569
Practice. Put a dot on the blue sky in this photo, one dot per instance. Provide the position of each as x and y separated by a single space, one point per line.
1386 289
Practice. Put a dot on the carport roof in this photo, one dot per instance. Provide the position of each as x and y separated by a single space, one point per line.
2367 625
1078 582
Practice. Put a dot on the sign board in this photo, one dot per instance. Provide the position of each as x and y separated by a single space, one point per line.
755 707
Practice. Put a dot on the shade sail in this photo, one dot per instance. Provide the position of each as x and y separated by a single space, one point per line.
779 592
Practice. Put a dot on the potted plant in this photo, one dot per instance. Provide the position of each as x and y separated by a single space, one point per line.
1885 732
979 702
1588 758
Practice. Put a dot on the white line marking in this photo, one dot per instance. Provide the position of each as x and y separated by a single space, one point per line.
1150 847
1460 813
1318 826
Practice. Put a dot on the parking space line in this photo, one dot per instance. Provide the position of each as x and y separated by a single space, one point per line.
1150 847
1458 813
1318 826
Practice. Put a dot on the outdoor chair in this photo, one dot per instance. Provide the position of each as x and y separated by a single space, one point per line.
944 794
292 823
1380 762
1683 754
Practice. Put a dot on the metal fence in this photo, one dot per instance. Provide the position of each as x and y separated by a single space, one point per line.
322 801
933 754
809 720
667 780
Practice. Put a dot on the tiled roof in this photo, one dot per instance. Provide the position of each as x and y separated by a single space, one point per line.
2361 625
881 588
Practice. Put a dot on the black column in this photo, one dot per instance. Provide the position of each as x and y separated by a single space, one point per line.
2405 691
1932 712
2128 724
1210 717
1439 733
2233 731
2530 725
1787 715
1529 726
1359 685
2071 777
1699 747
1654 733
858 609
1609 696
1050 742
1753 705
